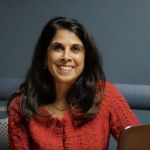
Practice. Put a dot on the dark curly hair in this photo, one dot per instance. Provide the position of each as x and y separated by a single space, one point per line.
38 87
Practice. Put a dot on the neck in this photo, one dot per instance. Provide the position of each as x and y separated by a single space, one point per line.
61 92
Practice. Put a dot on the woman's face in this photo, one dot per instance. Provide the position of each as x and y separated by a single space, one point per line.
65 57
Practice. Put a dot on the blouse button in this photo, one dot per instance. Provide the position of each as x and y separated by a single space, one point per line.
58 124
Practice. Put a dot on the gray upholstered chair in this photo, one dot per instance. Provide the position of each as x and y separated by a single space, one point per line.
3 127
138 97
4 134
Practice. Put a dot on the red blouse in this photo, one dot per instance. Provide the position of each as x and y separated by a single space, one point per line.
51 133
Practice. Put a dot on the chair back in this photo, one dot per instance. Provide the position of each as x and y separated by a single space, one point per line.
4 134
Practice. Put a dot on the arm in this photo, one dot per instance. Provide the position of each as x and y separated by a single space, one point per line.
19 138
121 114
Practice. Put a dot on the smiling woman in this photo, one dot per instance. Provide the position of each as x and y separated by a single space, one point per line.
65 102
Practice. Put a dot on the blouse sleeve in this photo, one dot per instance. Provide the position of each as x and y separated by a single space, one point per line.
121 114
18 132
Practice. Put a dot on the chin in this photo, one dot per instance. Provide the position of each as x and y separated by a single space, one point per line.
66 80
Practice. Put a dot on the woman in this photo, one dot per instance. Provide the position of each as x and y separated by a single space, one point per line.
65 102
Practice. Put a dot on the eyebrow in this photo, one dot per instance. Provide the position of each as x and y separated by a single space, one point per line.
54 43
76 44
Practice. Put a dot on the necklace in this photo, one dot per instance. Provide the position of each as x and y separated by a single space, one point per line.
59 109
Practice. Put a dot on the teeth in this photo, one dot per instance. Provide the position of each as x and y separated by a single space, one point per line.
65 68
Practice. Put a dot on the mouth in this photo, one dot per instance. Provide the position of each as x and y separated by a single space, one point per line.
65 68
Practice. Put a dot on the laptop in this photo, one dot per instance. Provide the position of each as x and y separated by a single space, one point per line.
135 138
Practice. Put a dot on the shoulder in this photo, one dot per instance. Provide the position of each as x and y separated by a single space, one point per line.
113 97
110 88
15 103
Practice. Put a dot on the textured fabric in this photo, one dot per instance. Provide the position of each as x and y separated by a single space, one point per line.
51 133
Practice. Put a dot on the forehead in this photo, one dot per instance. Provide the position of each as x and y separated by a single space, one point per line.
66 36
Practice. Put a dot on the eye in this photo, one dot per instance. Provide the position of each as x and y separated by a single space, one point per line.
57 47
76 48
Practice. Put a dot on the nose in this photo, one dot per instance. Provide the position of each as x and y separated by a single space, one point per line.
66 56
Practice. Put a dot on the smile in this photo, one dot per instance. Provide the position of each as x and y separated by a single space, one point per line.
65 68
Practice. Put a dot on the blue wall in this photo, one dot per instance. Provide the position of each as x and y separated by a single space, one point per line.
121 29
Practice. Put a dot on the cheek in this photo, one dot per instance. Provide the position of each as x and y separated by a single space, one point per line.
49 62
80 61
51 58
82 58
